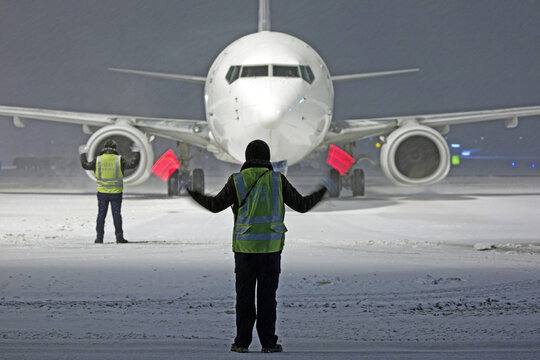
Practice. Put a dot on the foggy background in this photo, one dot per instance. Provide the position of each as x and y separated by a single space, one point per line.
472 55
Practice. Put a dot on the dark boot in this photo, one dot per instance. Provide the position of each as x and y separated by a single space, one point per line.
121 241
98 241
272 349
239 349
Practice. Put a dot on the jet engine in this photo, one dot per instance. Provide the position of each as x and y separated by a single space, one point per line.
125 136
415 155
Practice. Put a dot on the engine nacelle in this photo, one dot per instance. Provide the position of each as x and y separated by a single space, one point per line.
125 136
415 155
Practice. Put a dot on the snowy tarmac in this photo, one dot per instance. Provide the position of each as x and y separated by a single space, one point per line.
450 271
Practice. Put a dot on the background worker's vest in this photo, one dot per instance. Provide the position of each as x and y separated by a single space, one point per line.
259 224
109 177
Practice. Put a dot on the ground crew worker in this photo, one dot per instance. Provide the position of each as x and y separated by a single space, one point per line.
109 169
257 195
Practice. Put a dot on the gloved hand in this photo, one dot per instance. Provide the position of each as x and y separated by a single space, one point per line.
330 185
184 186
185 183
82 149
135 148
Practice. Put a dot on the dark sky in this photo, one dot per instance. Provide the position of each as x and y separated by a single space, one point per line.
473 55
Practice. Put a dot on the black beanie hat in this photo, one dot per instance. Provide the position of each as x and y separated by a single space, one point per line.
110 144
257 150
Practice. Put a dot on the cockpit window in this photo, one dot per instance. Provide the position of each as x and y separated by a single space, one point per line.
233 74
252 71
303 71
286 71
307 74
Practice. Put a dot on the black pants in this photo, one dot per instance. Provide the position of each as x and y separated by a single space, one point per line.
261 270
116 206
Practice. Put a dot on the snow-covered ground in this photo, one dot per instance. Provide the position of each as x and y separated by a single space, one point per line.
451 271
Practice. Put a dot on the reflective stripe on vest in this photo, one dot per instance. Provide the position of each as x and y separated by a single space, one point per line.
109 177
259 224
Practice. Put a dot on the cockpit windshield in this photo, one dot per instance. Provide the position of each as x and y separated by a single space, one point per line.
289 71
253 71
233 74
307 74
286 71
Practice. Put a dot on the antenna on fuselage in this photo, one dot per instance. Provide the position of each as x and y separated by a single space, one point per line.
264 15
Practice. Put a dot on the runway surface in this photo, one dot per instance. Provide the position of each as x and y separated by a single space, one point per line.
451 271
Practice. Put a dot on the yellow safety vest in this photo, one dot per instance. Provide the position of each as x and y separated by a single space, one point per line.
109 177
259 226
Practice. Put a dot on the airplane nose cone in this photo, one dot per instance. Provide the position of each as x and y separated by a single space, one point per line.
269 115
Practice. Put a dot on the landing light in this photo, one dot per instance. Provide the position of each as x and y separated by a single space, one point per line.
465 153
455 146
513 163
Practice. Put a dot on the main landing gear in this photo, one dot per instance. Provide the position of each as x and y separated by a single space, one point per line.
183 177
353 179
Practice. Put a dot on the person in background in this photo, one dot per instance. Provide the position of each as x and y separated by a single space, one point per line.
257 195
109 169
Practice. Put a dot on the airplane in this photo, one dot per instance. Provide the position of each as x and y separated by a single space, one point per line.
273 86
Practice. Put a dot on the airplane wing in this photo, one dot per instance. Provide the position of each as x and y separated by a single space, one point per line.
178 77
371 74
343 131
194 132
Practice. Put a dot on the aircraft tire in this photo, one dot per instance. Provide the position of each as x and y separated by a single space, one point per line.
172 184
358 183
198 180
335 177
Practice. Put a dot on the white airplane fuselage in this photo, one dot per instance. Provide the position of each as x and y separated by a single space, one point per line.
289 113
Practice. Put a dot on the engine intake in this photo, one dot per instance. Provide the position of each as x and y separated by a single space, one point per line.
415 155
125 136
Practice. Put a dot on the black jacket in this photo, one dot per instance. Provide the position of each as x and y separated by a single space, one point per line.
124 164
227 196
